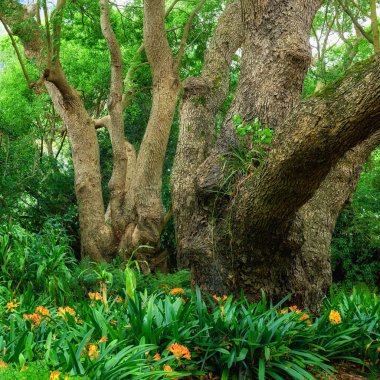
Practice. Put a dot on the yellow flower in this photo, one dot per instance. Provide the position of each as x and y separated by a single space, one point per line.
93 351
78 321
12 305
335 317
177 291
178 349
95 296
63 310
157 357
54 375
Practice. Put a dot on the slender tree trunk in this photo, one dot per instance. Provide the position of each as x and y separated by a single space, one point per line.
95 234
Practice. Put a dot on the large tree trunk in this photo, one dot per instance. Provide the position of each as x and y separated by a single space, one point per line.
275 230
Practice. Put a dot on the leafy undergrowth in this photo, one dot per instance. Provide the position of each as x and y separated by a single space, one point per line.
179 334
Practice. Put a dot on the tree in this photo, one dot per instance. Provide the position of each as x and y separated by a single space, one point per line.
135 213
272 230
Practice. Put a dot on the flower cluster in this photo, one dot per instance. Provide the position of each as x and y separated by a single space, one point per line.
12 305
54 375
178 349
295 309
219 299
63 310
93 351
335 317
42 310
38 316
177 291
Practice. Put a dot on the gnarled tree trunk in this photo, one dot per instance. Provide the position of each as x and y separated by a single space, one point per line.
274 231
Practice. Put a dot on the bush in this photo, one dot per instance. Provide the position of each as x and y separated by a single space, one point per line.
39 262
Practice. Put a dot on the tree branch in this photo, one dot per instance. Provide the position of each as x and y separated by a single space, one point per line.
56 21
314 137
48 35
19 57
116 125
355 22
156 43
186 31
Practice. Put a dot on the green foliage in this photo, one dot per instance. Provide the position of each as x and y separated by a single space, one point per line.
81 334
230 337
36 262
86 280
249 152
355 245
34 371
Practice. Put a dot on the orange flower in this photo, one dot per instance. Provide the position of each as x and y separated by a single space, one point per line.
119 300
218 299
12 305
54 375
293 308
3 364
95 296
335 317
157 357
304 317
78 321
34 318
177 291
178 349
93 351
167 368
113 322
42 310
103 339
284 311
